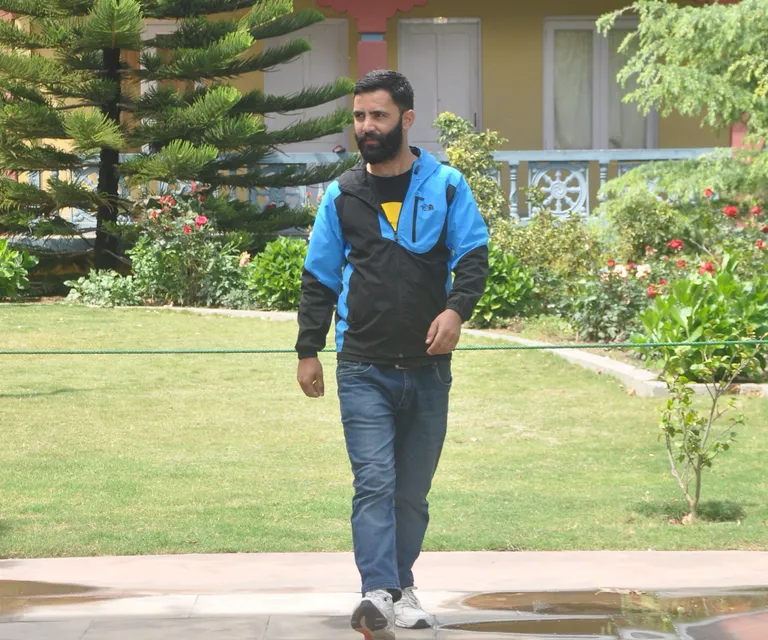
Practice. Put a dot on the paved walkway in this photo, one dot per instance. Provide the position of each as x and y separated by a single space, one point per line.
308 595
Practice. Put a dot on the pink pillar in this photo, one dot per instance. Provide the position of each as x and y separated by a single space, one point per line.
738 131
371 54
371 17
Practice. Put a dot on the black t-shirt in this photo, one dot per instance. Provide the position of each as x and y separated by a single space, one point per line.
391 192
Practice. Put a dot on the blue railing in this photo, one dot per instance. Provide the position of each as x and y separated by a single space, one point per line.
569 180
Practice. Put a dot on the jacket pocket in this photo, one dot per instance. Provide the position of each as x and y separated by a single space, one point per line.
416 201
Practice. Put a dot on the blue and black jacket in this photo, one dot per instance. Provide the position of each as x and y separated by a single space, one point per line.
388 285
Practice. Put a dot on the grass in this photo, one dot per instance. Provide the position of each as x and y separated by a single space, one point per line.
212 453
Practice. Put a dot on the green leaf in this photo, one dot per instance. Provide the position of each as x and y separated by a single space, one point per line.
91 129
113 25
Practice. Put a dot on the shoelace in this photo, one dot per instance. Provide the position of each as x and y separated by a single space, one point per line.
410 596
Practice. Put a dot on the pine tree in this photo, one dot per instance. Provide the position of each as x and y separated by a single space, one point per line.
70 72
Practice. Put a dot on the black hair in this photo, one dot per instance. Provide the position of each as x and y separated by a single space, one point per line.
395 83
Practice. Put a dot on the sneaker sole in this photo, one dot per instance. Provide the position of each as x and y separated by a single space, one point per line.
369 621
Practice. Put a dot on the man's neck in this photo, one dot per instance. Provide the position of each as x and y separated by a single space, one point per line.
401 163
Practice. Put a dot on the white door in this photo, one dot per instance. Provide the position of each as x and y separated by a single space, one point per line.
442 61
325 63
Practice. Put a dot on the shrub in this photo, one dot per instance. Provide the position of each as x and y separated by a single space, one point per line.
104 288
604 305
706 203
14 267
508 289
554 250
471 153
178 258
713 303
274 276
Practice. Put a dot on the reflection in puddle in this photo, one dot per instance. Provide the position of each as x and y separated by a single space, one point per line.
629 615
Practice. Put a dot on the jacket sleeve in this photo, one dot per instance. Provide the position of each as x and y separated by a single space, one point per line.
468 243
322 277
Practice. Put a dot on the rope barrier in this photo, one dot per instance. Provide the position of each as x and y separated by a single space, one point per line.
506 347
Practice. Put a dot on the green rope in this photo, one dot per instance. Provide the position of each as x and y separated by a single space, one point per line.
505 347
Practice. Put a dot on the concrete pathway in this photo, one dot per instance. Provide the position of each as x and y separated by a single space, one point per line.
310 595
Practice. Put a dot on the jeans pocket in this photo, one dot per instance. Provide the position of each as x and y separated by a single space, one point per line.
348 368
443 372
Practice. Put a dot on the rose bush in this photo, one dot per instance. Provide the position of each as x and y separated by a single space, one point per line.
178 258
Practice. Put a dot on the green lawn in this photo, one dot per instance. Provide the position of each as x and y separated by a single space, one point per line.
181 453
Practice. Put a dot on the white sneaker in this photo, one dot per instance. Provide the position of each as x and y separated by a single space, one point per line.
409 613
374 617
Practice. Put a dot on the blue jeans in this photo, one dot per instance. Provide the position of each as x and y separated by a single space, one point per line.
395 422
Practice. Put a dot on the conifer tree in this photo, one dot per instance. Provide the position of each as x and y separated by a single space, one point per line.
70 72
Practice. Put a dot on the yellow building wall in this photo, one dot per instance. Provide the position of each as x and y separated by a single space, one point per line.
512 35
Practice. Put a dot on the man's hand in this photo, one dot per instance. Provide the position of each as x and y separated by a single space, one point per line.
443 335
310 377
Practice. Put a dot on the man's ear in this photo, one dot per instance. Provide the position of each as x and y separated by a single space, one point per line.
409 117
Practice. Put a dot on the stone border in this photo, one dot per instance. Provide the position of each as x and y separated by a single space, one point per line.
637 382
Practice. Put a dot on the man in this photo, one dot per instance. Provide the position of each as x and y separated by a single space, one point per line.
386 238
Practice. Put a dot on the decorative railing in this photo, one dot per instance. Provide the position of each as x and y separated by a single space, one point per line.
569 180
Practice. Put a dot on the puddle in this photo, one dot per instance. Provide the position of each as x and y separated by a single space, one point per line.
626 615
22 589
15 595
583 628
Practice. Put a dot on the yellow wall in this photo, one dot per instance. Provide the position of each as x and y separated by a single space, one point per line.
512 36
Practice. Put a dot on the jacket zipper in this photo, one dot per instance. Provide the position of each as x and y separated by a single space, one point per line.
415 215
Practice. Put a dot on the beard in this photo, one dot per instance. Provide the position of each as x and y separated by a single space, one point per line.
381 147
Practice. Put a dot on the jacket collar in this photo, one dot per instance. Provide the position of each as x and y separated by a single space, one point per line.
355 181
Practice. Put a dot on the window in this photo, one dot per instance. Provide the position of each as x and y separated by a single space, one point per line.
583 106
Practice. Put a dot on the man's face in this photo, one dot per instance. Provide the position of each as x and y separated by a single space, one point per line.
379 126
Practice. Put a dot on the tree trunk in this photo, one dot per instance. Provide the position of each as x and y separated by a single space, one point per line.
108 187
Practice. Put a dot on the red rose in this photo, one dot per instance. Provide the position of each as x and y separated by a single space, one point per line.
630 265
761 245
709 193
682 264
756 210
651 292
153 215
187 229
706 267
202 198
611 263
731 211
676 244
663 281
200 221
764 229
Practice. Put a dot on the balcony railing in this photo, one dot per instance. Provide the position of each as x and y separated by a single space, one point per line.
569 180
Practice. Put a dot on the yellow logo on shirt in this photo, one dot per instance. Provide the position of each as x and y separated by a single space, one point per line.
392 211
